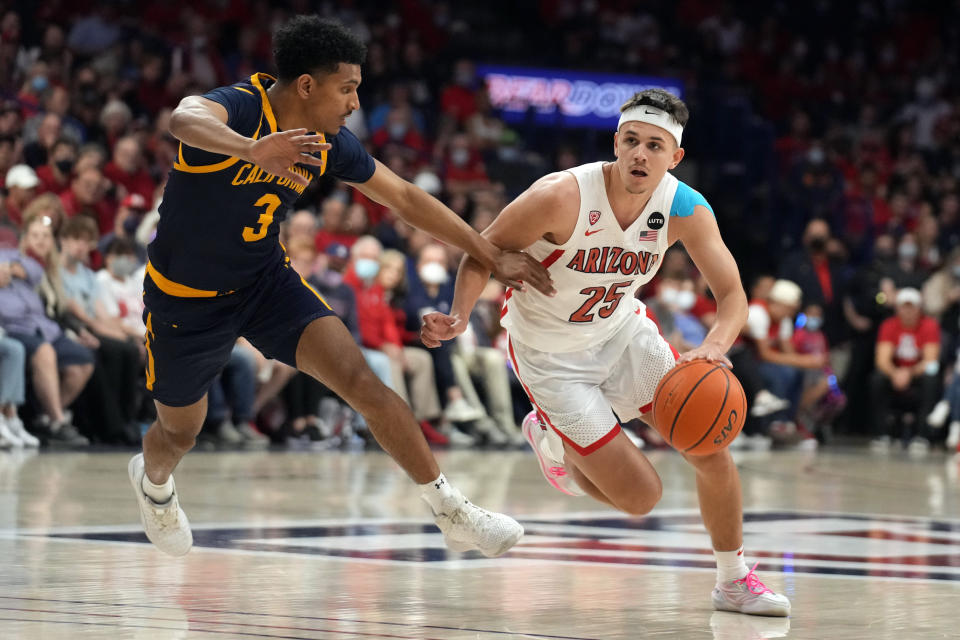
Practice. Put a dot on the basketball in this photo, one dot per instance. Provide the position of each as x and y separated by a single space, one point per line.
699 407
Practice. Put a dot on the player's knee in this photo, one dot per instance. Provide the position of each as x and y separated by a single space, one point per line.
641 502
181 435
366 392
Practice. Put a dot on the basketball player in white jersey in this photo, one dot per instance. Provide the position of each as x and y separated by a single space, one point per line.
601 229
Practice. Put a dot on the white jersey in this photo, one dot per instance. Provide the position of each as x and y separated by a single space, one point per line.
598 270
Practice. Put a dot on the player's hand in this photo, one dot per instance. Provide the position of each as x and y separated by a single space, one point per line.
438 327
278 152
707 351
514 268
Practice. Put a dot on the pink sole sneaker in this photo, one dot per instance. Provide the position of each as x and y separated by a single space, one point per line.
554 472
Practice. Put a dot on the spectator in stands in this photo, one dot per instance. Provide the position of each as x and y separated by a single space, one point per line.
907 375
115 117
59 367
463 166
37 151
88 197
413 377
770 326
56 174
21 183
13 357
114 391
458 100
121 286
303 394
818 277
126 170
428 289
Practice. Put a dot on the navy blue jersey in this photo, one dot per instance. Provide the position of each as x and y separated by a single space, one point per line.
220 216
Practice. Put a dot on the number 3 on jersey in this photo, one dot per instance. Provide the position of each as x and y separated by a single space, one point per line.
271 202
610 295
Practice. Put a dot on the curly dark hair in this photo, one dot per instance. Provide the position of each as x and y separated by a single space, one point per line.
308 44
661 100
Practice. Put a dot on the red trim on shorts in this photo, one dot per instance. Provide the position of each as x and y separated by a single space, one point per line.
503 311
545 418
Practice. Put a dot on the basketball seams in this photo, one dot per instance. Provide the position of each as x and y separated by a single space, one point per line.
723 405
663 381
685 400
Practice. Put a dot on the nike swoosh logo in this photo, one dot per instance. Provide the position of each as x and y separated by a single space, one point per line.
590 233
652 113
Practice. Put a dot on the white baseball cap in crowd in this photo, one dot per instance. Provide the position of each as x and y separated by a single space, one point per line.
21 175
786 292
909 295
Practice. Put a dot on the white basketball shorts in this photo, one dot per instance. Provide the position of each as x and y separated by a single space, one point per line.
577 393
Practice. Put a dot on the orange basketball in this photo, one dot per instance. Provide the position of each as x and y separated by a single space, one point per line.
699 407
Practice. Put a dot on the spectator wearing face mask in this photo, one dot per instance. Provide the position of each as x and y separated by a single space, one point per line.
113 395
821 400
463 166
818 276
56 174
413 378
671 307
121 285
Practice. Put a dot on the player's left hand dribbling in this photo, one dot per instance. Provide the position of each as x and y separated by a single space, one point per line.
438 327
514 268
707 351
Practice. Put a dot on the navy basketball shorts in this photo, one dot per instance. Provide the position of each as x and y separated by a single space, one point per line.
189 339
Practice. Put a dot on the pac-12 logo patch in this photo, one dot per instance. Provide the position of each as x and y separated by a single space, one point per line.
594 216
656 220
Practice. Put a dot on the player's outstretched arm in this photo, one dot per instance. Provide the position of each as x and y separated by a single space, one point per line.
202 124
536 212
511 267
701 238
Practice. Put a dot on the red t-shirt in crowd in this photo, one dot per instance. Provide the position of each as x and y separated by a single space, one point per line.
908 342
139 182
374 316
49 182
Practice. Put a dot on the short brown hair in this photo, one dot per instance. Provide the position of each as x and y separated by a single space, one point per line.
80 227
661 100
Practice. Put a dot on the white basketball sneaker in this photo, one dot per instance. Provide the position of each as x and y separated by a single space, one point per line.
15 425
551 461
166 524
467 527
749 595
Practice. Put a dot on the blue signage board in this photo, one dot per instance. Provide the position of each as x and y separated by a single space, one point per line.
566 98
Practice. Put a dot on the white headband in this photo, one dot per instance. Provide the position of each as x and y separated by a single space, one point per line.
654 116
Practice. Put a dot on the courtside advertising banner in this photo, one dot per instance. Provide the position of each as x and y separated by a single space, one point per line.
565 98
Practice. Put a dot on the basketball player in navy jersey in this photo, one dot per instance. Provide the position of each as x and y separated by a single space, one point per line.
590 354
217 271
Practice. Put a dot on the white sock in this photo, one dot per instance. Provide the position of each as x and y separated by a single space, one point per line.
434 493
730 565
159 493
